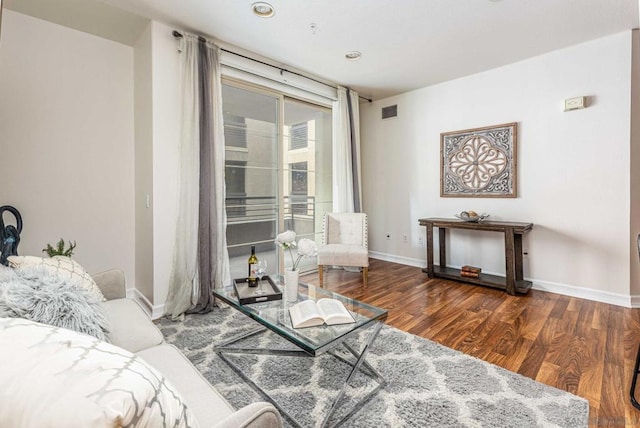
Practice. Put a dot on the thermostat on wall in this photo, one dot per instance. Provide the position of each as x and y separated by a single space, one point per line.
575 103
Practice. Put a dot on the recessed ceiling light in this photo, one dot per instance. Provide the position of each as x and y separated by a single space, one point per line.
263 10
353 55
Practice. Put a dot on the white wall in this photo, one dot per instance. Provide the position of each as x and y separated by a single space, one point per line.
157 149
635 171
166 147
573 168
66 140
143 72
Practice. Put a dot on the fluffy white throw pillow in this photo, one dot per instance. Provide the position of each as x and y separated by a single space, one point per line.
62 266
51 376
37 294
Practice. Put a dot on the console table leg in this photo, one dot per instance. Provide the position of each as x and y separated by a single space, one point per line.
518 257
510 260
443 246
430 272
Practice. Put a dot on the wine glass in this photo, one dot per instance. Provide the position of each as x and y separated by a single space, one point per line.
261 270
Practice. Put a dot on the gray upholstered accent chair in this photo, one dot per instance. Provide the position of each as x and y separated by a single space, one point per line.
344 243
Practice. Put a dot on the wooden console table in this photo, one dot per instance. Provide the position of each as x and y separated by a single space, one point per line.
512 283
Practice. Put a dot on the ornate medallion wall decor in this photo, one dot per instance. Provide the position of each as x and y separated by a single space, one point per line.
479 162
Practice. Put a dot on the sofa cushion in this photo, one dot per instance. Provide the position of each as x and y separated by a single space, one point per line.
57 377
111 283
207 405
65 267
130 326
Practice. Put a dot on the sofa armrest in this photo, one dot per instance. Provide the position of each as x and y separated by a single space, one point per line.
254 415
111 283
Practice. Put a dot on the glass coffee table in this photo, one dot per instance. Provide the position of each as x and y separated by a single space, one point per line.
311 341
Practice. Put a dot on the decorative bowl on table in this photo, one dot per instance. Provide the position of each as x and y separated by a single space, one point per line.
471 216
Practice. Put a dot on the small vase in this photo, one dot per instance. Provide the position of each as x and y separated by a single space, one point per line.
291 278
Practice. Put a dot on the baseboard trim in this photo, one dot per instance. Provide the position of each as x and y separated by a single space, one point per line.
582 293
635 301
157 312
154 312
546 286
397 259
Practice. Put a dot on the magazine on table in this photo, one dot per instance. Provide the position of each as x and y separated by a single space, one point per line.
311 313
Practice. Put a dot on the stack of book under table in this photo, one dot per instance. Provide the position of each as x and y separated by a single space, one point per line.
470 271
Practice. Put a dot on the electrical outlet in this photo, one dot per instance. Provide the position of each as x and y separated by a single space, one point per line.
388 235
405 239
525 252
420 241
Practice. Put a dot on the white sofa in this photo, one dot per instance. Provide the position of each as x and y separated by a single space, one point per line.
132 330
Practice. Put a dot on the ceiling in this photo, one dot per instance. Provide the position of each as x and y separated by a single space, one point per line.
405 44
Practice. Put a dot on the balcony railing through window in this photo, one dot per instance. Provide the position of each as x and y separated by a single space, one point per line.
298 211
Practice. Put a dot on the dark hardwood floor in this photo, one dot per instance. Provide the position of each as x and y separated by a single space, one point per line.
584 347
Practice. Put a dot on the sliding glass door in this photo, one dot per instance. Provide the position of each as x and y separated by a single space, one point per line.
306 160
278 172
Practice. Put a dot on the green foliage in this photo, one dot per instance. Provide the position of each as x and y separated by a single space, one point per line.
59 249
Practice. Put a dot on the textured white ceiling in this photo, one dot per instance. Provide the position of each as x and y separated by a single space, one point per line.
405 44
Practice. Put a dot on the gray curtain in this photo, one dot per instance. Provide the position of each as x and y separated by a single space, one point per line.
201 259
213 257
354 142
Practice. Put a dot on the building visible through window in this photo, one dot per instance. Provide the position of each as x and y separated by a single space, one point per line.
235 131
299 187
278 172
299 136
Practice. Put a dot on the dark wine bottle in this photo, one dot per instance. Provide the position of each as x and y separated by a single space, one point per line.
253 266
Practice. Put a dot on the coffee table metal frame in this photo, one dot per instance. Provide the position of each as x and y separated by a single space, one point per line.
312 342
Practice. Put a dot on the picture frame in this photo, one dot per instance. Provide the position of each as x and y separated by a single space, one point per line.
479 162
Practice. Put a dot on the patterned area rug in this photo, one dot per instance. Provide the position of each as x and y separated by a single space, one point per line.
429 385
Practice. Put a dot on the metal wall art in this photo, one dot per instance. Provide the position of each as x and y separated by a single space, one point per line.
479 162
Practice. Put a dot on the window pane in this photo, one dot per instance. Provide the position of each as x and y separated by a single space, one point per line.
255 150
251 175
307 182
299 183
235 131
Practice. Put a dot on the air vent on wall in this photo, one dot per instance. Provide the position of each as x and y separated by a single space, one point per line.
390 111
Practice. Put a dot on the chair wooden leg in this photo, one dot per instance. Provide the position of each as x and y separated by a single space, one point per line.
321 274
634 379
365 275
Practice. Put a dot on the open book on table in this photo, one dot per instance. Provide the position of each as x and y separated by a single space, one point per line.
324 311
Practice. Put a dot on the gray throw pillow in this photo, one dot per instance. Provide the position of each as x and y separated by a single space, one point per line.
39 295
